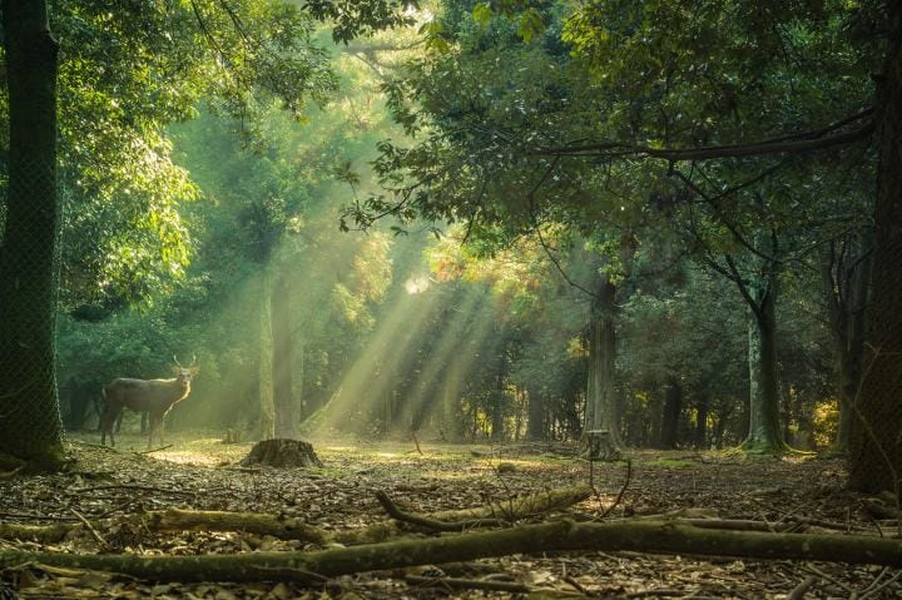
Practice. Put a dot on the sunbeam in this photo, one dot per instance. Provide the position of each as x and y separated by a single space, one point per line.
428 397
365 386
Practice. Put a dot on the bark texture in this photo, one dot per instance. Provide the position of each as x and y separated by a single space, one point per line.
30 424
765 434
601 411
875 445
282 452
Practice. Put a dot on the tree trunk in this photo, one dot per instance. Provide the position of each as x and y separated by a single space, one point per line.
450 390
305 407
30 425
511 510
535 415
673 404
602 413
846 276
498 398
702 407
264 376
287 417
875 446
764 397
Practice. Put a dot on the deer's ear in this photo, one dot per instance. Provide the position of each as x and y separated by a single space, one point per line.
194 371
176 369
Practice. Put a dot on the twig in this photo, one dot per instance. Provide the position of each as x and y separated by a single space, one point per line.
626 483
832 580
151 450
576 585
100 540
877 586
31 517
799 591
142 488
475 584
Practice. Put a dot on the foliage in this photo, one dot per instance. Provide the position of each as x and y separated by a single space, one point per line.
127 73
667 337
515 136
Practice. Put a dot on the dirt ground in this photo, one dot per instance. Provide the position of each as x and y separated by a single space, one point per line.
201 474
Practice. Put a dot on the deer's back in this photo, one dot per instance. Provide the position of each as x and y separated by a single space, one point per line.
128 385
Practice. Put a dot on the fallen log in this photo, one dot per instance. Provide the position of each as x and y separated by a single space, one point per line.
288 528
520 507
284 528
655 537
44 534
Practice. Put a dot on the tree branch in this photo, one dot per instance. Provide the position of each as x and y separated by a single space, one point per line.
806 141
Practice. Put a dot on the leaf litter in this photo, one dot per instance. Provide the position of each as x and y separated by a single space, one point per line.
203 475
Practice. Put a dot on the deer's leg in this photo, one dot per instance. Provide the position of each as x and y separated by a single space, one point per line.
107 422
162 425
156 423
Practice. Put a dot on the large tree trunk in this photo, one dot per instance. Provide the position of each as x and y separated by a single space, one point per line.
264 375
282 527
875 446
30 424
287 410
601 407
764 398
702 408
846 270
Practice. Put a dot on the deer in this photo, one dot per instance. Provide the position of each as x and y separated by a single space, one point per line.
153 396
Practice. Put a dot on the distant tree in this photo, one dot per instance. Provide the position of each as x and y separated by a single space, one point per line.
681 334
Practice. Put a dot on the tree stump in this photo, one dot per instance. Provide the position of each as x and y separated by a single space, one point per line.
282 453
600 446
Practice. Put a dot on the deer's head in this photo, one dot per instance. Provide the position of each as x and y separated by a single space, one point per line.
184 375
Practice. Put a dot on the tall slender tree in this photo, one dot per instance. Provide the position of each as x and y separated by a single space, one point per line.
30 425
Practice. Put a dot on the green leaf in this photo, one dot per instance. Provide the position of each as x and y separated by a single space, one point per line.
530 25
482 13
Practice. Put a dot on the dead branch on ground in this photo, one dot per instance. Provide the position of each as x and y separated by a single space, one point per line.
655 537
289 528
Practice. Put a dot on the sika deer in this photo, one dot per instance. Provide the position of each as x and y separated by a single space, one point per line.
154 396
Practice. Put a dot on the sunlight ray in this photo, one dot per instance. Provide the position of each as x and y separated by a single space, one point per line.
450 349
369 378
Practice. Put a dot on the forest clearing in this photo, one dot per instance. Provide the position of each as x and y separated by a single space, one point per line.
591 299
113 489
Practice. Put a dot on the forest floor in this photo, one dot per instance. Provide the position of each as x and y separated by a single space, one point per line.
200 474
